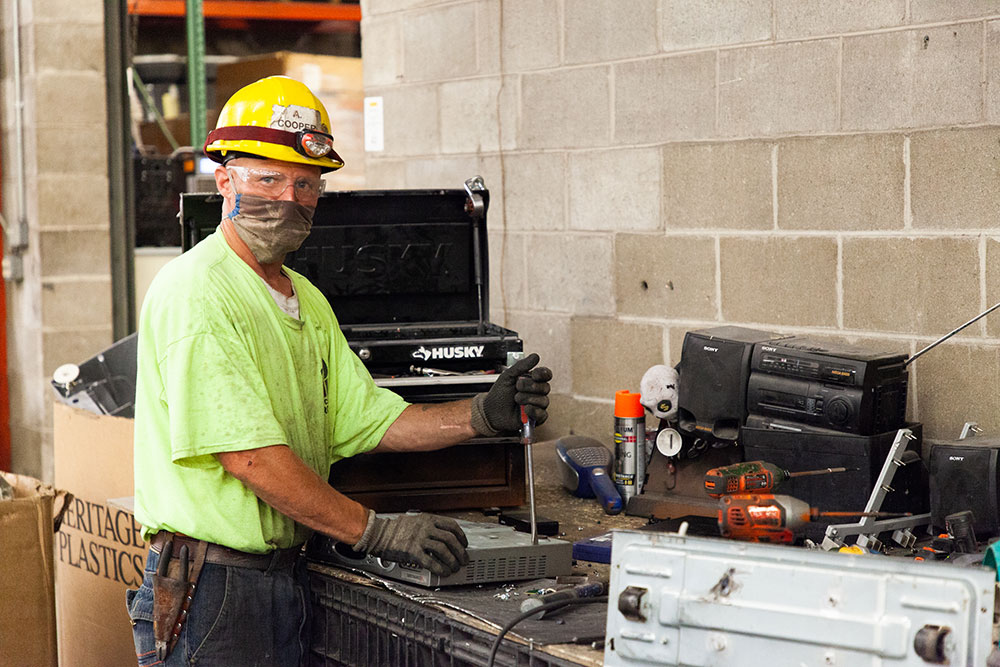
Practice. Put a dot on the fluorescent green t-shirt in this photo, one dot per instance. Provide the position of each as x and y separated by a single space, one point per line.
221 368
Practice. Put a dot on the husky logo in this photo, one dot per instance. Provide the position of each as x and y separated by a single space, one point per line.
453 352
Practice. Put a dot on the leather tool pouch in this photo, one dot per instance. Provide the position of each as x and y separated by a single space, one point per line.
173 590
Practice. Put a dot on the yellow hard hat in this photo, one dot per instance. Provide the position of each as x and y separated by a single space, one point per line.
277 118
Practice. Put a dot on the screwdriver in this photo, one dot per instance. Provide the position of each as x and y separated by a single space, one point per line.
752 477
766 517
528 437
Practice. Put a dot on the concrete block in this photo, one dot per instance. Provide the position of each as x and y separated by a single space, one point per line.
665 99
992 72
779 281
76 303
411 120
568 108
377 7
385 174
930 76
955 178
952 387
56 91
609 355
531 34
615 190
381 50
452 32
65 253
914 285
992 288
68 46
795 18
841 183
767 90
922 11
670 277
441 172
73 346
720 185
508 274
488 26
535 186
26 450
469 115
575 415
692 23
59 11
570 273
598 30
548 335
76 201
86 145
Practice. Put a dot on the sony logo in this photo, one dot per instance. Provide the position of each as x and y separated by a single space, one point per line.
453 352
768 349
710 349
956 458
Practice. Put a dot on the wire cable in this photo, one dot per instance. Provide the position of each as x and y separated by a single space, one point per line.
528 614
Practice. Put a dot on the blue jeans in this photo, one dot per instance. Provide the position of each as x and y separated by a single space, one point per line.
239 616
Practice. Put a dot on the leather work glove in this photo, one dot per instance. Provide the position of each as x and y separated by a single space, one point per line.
499 409
434 542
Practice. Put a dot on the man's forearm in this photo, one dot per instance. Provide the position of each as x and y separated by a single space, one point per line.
280 478
425 427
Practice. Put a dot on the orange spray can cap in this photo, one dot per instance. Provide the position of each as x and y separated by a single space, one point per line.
627 404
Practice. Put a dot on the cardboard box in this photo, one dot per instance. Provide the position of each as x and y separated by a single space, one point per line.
335 80
27 593
99 551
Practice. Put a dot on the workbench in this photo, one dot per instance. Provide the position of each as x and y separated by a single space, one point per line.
391 629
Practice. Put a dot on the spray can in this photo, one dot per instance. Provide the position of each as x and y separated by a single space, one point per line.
630 444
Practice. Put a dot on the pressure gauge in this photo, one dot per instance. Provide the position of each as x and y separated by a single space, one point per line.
669 442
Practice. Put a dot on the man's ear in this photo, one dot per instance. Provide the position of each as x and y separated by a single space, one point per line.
223 182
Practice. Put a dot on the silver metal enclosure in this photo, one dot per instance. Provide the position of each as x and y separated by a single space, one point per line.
676 600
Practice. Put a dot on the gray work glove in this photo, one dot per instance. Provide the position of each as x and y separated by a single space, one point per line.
434 542
499 409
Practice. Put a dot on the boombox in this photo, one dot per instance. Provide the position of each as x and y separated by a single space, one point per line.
712 387
836 387
964 476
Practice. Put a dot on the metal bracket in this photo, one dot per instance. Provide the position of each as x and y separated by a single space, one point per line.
970 429
474 204
868 529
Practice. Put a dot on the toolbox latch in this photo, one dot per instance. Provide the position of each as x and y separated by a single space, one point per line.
474 204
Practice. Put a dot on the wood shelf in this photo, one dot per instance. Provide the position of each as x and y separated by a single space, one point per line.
251 9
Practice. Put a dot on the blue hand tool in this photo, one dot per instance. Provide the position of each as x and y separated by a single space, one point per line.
585 465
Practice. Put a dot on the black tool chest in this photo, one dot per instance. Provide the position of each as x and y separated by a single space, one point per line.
407 274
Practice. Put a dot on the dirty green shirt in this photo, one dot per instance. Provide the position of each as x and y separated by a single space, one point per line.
221 368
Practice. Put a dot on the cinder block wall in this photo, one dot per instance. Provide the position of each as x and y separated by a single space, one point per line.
663 165
61 311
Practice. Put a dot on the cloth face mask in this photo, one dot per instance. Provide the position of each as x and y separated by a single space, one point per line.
271 228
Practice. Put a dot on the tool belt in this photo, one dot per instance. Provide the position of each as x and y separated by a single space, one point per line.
181 561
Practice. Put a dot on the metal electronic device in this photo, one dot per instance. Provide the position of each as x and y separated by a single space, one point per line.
678 600
496 553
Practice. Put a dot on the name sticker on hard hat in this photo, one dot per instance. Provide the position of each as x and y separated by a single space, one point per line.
294 118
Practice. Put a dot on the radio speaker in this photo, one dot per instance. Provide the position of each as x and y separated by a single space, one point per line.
964 477
712 388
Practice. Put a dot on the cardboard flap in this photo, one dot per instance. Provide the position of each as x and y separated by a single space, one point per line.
29 487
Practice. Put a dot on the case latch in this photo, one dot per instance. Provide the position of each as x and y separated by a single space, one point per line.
474 204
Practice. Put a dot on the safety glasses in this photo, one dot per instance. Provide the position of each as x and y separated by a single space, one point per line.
273 184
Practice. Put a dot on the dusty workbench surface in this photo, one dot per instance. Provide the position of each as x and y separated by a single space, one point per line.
578 518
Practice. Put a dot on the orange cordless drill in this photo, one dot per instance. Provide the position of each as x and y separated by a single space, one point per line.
752 477
765 517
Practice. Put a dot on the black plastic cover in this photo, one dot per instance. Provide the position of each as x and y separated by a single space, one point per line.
384 257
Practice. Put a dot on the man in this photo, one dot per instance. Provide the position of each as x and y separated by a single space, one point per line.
247 392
